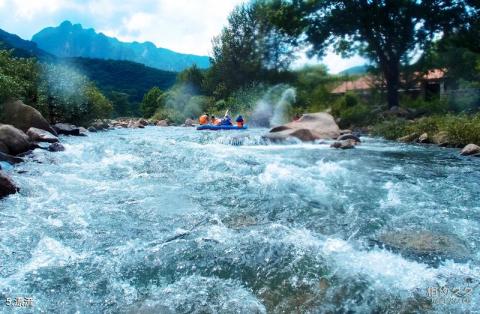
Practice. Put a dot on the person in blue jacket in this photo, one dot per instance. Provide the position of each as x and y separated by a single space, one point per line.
226 120
239 121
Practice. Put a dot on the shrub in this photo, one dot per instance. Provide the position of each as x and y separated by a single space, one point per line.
390 129
169 114
426 107
352 111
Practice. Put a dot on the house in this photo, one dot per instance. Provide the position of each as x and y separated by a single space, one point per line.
430 84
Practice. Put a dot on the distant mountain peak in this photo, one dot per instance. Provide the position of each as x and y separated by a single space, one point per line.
72 40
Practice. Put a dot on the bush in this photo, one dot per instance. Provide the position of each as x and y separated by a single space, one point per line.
461 129
426 107
170 115
352 111
390 129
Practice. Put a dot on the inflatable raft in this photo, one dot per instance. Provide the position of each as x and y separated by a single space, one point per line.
220 127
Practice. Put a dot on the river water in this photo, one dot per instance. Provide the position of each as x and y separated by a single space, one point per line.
173 220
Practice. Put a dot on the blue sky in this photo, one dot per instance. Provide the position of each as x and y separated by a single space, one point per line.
181 25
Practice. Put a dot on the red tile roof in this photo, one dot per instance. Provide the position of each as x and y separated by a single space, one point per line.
367 82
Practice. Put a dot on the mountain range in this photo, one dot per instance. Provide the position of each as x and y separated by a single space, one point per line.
72 40
120 80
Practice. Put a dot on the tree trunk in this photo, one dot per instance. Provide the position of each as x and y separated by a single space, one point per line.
392 78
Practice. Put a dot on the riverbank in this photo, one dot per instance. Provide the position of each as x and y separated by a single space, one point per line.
456 131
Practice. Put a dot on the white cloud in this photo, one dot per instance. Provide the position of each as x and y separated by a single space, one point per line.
30 9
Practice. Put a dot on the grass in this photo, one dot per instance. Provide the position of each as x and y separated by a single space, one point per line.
461 129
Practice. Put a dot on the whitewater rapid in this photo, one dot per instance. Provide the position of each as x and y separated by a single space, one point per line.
172 220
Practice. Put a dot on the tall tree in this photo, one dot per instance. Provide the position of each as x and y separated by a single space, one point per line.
388 32
151 102
249 49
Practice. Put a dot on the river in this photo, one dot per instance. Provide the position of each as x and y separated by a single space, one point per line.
173 220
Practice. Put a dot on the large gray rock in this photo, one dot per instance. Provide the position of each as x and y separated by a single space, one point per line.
7 186
24 117
38 135
425 243
309 127
14 140
470 149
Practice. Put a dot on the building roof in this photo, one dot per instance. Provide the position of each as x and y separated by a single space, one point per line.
361 83
367 82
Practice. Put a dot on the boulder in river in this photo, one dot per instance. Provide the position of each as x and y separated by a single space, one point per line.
7 186
39 135
24 117
470 149
14 140
189 122
56 147
309 127
425 243
345 144
67 129
10 159
349 137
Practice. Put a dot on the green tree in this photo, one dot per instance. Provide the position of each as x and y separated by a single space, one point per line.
387 32
151 102
18 78
248 50
193 78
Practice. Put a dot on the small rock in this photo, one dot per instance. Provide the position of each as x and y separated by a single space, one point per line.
56 147
143 122
408 138
7 186
349 137
470 149
67 129
441 139
347 131
424 139
38 135
189 122
92 129
345 144
162 123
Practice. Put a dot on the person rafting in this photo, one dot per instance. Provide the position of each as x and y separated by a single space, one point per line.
203 119
239 121
226 119
214 121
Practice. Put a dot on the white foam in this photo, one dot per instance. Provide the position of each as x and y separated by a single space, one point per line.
273 173
383 269
50 252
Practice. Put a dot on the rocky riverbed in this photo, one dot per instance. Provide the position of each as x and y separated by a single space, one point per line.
170 219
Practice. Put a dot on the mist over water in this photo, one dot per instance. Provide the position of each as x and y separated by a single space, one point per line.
171 220
272 108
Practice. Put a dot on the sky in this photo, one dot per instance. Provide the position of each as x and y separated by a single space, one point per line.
185 26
